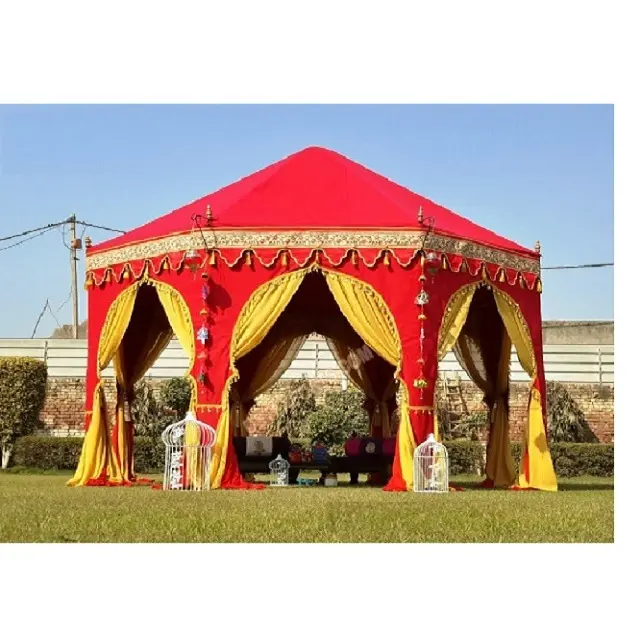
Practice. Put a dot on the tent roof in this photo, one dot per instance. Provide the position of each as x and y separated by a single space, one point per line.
315 189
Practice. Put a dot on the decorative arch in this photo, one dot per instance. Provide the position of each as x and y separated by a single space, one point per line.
109 460
536 468
363 307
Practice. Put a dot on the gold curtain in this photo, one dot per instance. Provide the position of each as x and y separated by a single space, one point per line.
500 467
369 315
256 319
454 318
97 451
452 323
541 473
346 356
266 373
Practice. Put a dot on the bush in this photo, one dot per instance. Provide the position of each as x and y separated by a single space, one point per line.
47 452
341 414
148 455
299 402
148 417
23 389
465 457
175 396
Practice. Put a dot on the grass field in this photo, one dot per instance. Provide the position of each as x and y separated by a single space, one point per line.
40 508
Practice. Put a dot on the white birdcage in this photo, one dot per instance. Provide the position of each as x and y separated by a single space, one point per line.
279 472
431 467
188 448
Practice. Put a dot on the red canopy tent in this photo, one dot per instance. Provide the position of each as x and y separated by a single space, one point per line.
315 242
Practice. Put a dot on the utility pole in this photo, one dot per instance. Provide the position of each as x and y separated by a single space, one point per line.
75 244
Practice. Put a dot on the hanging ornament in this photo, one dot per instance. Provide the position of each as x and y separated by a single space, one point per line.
432 262
386 260
212 259
192 259
539 286
354 256
202 375
204 312
247 258
107 276
422 298
422 317
284 260
125 273
89 281
203 335
205 291
420 382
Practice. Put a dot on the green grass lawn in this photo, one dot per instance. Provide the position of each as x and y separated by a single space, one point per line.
40 508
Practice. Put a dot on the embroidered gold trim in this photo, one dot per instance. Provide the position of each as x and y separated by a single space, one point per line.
312 240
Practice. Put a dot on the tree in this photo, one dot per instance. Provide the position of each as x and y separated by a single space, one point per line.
299 402
566 421
341 414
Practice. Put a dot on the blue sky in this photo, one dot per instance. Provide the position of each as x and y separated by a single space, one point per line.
531 172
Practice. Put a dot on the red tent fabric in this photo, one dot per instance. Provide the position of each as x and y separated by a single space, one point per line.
316 189
314 210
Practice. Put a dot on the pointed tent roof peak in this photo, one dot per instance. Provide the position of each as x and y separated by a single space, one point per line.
315 189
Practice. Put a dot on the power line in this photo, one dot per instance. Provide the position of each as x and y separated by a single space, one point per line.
30 231
32 237
582 266
97 226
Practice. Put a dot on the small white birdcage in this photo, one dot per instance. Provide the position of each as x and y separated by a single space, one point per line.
279 472
188 448
431 467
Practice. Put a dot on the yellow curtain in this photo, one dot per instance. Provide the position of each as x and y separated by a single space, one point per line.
267 372
97 451
452 323
454 318
255 321
500 467
541 473
369 315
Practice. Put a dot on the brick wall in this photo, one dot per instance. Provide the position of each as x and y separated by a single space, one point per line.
64 408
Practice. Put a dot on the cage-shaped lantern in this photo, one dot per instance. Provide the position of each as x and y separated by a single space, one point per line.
279 468
188 451
431 467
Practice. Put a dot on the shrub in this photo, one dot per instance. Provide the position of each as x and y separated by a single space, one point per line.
567 422
341 414
47 452
293 411
23 388
465 457
148 418
175 396
148 455
582 459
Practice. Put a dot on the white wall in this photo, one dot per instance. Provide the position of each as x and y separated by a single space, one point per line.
564 363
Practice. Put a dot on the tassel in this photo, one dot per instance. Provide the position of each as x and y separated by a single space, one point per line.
212 259
539 286
89 281
522 284
463 267
354 257
247 258
501 278
386 259
107 276
318 255
423 260
284 260
125 273
444 262
163 266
